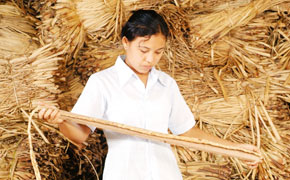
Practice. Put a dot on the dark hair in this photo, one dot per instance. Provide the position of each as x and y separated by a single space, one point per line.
144 23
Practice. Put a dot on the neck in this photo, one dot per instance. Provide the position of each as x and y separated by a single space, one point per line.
143 78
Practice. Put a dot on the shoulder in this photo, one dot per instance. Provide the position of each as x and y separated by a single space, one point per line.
103 75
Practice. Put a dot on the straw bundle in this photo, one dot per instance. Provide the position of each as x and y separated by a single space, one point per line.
176 56
205 171
19 30
253 127
96 57
193 166
210 27
131 5
101 19
18 84
19 91
60 25
209 5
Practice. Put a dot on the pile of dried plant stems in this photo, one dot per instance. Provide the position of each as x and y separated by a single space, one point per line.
28 67
231 59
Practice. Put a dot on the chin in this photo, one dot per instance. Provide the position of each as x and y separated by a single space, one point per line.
143 72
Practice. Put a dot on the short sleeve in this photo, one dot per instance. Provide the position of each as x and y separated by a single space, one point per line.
181 118
91 101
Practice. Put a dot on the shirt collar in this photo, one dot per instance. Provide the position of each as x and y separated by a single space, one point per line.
125 73
158 75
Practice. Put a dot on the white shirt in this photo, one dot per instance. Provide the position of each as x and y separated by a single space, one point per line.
117 94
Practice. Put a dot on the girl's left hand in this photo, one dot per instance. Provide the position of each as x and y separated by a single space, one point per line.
250 147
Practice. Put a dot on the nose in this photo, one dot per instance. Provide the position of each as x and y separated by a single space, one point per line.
150 58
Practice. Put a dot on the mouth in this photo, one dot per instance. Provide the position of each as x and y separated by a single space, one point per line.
147 67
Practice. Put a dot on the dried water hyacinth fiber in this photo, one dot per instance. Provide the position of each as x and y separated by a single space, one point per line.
231 87
19 30
272 120
246 52
101 19
210 27
24 81
205 171
20 90
18 72
249 121
209 5
131 5
177 54
243 47
197 84
61 26
56 158
95 57
28 6
280 40
193 166
51 159
242 120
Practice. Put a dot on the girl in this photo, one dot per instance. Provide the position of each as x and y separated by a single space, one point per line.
133 92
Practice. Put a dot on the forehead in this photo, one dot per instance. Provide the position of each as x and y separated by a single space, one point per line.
155 41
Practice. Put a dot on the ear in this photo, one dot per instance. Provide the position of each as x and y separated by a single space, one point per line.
125 42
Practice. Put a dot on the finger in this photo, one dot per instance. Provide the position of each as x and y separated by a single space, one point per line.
57 119
47 114
41 113
54 114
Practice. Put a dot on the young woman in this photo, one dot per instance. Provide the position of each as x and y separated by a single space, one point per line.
133 92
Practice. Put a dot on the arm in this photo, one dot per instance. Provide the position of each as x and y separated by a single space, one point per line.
78 133
75 132
198 133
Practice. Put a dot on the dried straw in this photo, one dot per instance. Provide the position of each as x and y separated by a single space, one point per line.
210 27
101 19
19 30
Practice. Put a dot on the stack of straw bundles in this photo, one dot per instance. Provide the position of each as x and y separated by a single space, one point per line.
31 149
246 85
61 27
26 77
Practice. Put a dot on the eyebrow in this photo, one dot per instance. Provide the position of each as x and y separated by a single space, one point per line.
140 46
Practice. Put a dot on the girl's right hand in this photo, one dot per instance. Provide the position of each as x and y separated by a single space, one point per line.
50 114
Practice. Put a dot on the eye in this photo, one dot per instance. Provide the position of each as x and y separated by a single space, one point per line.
144 50
159 52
